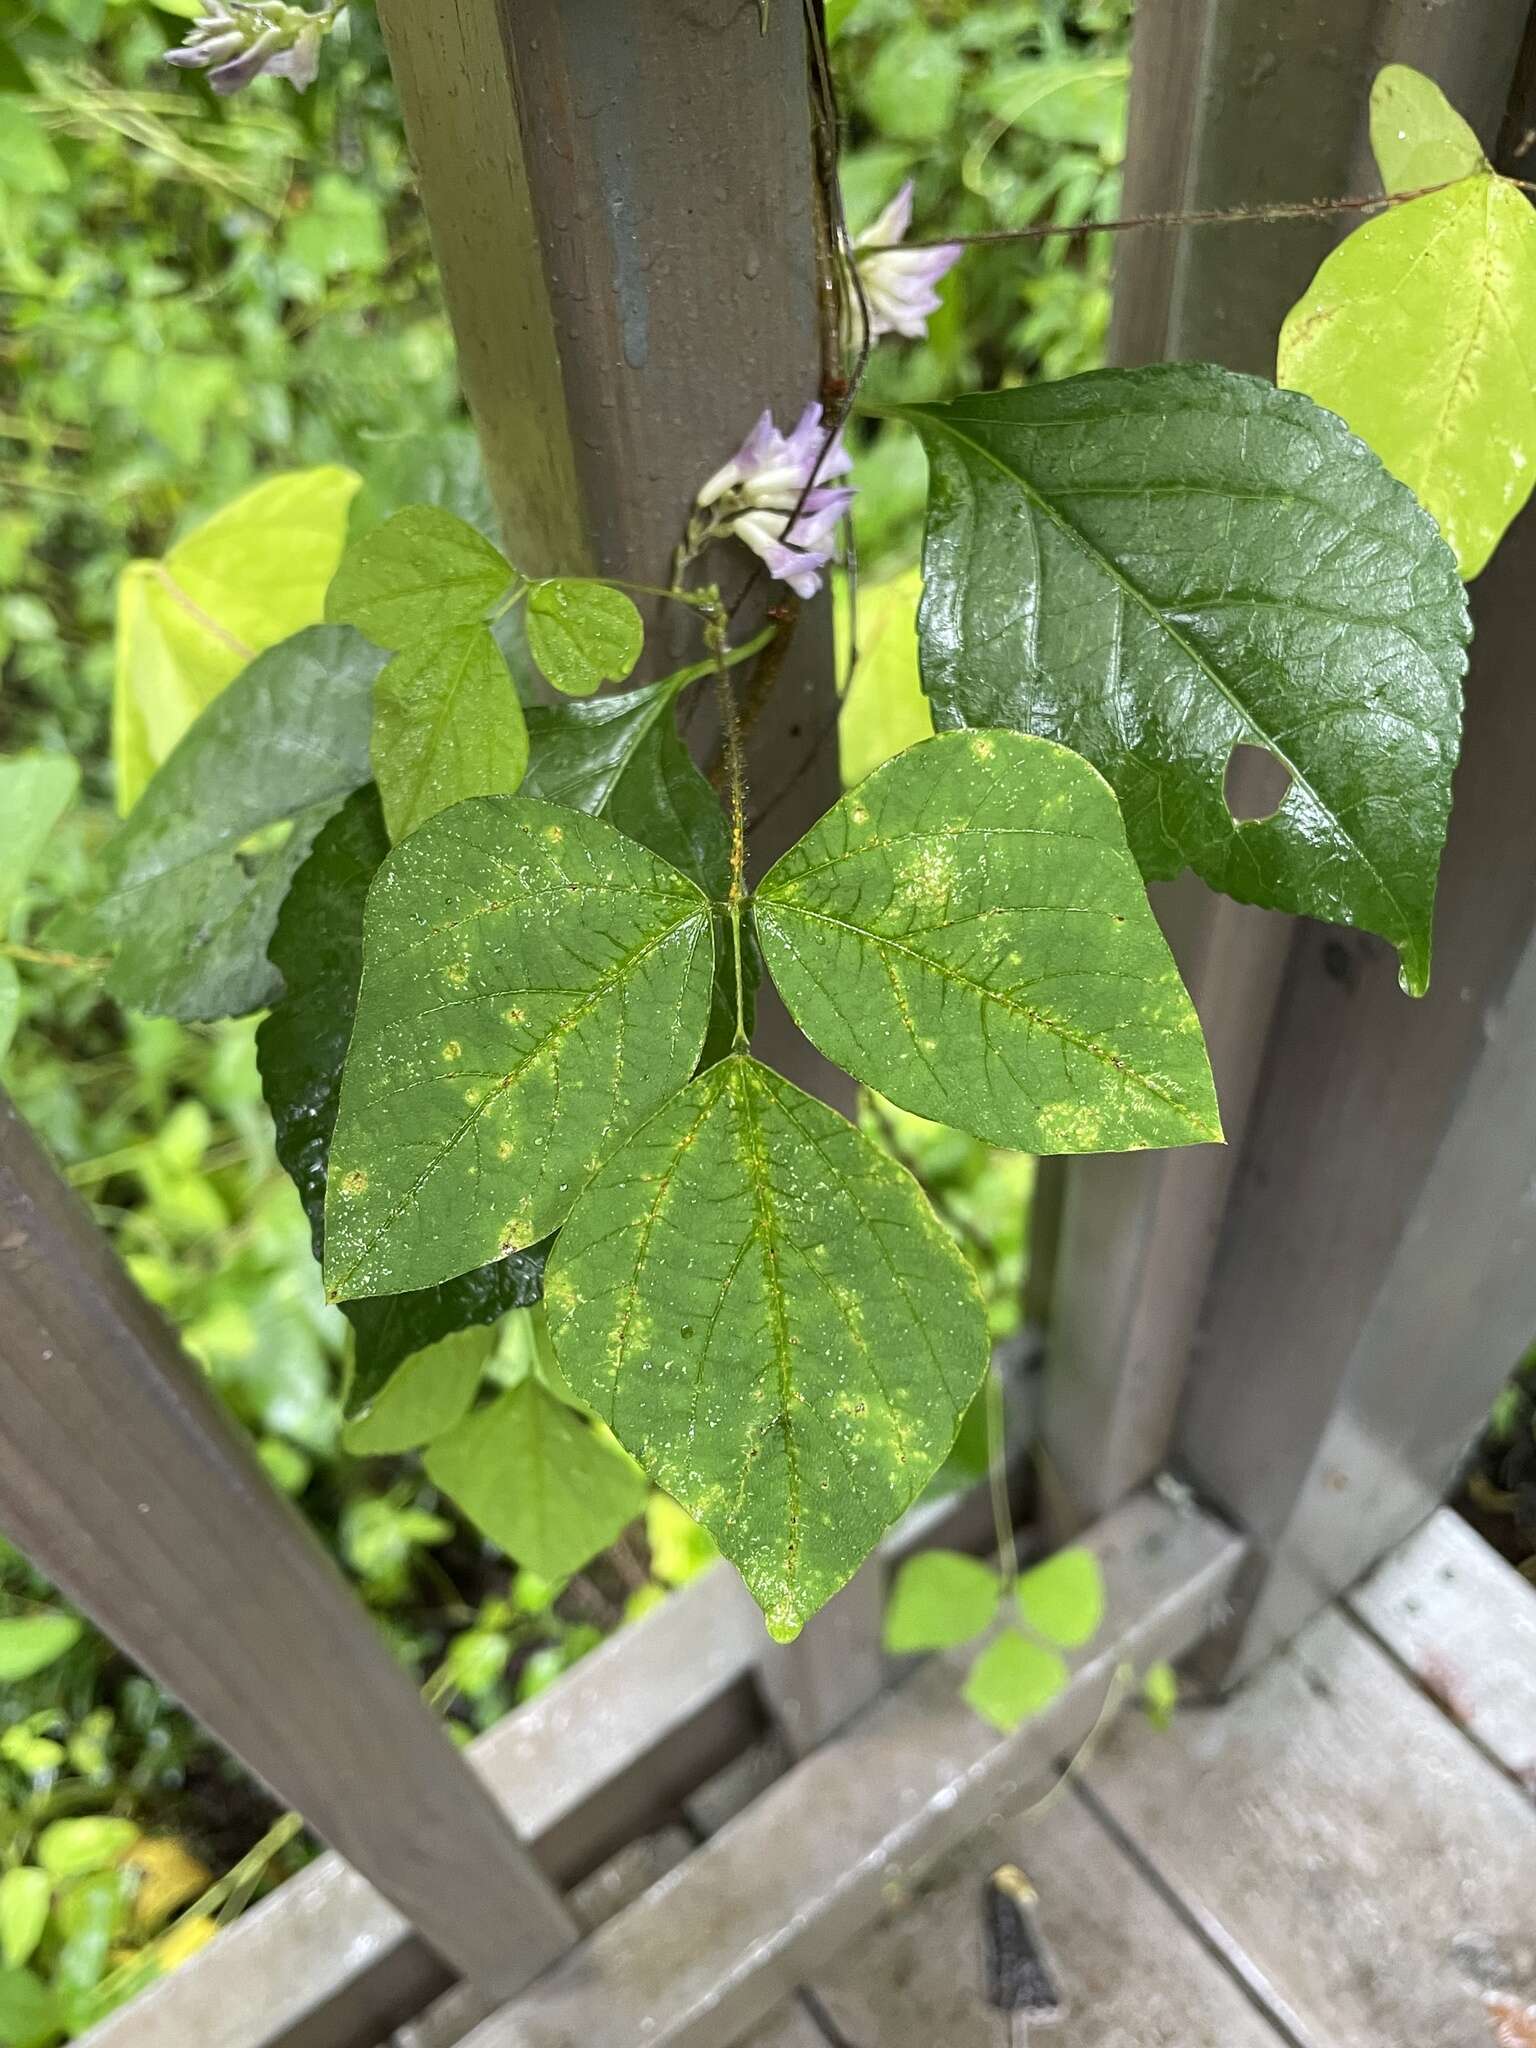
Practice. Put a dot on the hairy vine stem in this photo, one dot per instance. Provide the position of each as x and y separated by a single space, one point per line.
716 626
1208 217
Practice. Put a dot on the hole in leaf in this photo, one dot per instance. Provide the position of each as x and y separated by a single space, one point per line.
1255 783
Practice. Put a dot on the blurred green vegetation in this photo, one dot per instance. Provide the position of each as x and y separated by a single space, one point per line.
197 294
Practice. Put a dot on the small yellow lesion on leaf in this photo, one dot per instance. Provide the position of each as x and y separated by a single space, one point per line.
452 1049
355 1182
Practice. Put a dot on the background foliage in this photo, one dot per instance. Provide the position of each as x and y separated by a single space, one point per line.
198 294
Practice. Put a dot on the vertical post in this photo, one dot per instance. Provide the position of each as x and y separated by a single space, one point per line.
647 169
125 1482
1233 103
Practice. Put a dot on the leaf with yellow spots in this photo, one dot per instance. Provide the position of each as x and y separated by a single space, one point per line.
534 985
764 1309
967 932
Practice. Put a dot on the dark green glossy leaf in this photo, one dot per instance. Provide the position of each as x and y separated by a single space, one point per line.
534 984
1153 566
446 726
967 932
541 1482
197 874
583 634
317 948
417 575
765 1310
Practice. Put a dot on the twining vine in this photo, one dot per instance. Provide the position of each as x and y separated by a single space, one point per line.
509 950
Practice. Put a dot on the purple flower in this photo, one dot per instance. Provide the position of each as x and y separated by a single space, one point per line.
755 497
236 41
899 283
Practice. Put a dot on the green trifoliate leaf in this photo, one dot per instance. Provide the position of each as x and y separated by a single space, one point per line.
967 932
31 1642
1420 331
1417 136
446 725
415 576
317 949
940 1599
538 1480
582 634
1153 566
197 874
1014 1679
534 984
424 1398
1063 1599
764 1309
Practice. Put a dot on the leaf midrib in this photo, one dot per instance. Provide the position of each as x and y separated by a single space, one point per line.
1160 620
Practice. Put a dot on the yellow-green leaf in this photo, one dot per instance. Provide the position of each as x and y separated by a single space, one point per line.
74 1848
583 634
1420 332
541 1483
424 1398
940 1599
415 576
1014 1679
29 1643
25 1895
1417 136
884 708
250 576
447 725
1063 1599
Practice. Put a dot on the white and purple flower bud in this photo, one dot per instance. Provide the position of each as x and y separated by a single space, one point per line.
237 41
898 284
764 496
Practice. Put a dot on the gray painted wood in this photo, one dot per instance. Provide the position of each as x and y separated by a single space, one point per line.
327 1962
1354 1856
789 2027
1131 1974
1462 1623
711 1950
124 1481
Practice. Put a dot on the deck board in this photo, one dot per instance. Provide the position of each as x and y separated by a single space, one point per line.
1463 1622
1360 1855
1133 1976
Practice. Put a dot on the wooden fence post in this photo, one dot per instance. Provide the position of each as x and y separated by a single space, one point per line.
124 1481
1231 103
647 171
1341 1097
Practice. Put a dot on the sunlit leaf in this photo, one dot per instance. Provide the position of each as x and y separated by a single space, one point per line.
767 1313
245 579
583 634
317 947
1153 566
1417 136
25 1896
967 932
534 984
446 725
538 1480
415 576
940 1599
74 1848
1420 331
34 790
1014 1679
1063 1599
196 876
884 708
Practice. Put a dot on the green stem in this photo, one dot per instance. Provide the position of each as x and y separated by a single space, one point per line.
997 1481
715 629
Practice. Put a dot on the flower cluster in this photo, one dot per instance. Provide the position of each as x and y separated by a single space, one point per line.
776 493
765 496
898 284
236 41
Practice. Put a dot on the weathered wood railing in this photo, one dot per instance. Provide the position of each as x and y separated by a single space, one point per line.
622 198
